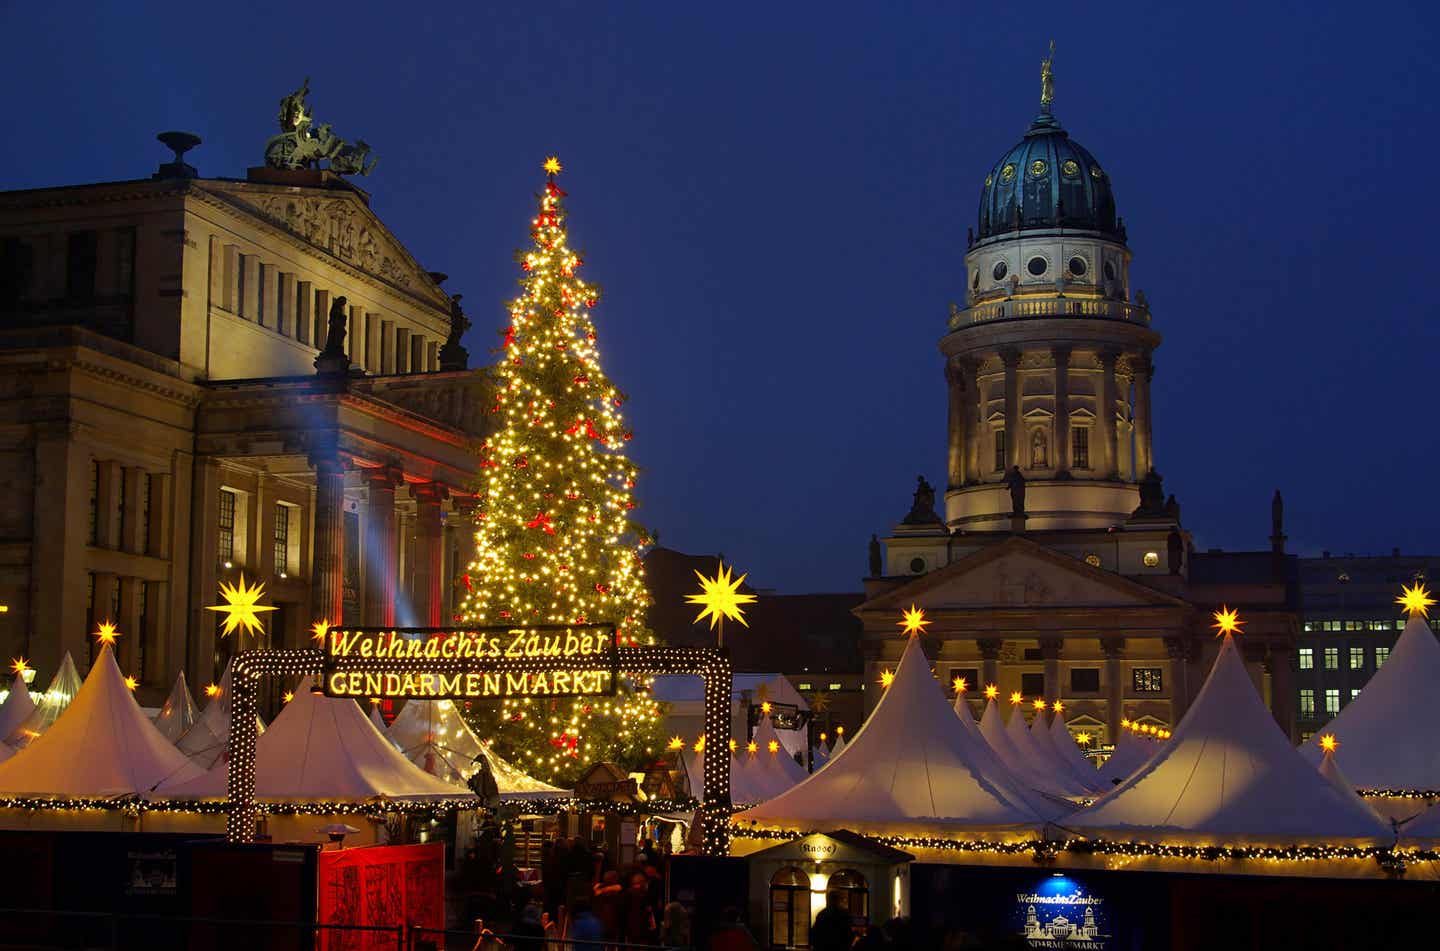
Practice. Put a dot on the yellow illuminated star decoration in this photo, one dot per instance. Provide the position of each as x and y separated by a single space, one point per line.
242 609
212 690
765 707
773 746
720 598
1415 600
106 633
733 745
991 691
959 684
700 743
289 695
552 165
131 682
1083 739
1038 703
318 630
887 677
1057 706
19 666
840 730
1017 698
751 747
677 743
1328 743
913 621
1227 621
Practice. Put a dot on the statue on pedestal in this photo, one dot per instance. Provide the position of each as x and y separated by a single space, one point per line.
1015 481
922 507
332 358
302 144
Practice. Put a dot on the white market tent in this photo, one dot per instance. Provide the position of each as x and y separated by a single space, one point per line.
16 709
684 695
178 714
1037 762
63 688
780 763
1390 734
376 718
1131 752
1025 776
838 746
1054 761
1069 752
102 745
435 737
910 768
1424 827
1228 776
992 728
206 742
323 749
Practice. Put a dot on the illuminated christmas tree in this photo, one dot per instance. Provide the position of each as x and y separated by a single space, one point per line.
555 543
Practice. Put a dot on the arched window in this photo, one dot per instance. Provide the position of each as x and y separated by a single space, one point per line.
848 891
790 909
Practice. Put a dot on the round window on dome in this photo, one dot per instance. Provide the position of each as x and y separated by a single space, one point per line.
1109 271
1007 173
1071 168
917 566
1037 168
1000 271
1095 172
1077 266
1037 265
989 180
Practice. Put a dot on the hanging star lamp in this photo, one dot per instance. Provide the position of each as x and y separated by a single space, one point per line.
720 598
242 609
1227 622
1415 599
913 621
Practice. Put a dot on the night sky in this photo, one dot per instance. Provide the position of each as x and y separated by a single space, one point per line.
775 202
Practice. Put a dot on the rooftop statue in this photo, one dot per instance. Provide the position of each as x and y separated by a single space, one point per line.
302 144
1047 80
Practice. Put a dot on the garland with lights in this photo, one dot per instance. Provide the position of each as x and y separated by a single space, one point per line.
555 543
710 663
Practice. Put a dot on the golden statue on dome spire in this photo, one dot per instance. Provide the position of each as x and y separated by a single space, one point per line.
1047 80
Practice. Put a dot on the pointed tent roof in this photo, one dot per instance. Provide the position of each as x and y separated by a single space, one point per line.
779 762
103 745
838 746
63 688
376 718
178 713
206 742
992 728
1390 734
1069 752
1022 777
1330 770
911 766
1424 826
1229 776
1037 762
323 748
1131 752
16 709
435 737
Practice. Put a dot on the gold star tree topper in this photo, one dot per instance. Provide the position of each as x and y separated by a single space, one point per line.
552 165
1227 621
720 598
913 621
1415 599
242 609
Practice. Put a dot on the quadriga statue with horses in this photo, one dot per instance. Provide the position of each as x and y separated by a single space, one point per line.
303 144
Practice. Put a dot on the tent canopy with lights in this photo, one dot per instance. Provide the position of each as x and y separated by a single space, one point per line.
16 709
323 749
63 688
1131 752
206 742
435 737
910 768
1390 734
1228 775
178 713
102 745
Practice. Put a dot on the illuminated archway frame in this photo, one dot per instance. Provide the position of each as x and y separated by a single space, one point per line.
712 664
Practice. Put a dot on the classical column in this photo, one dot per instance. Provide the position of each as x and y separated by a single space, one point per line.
1114 650
955 386
974 415
989 659
463 516
1014 439
380 563
1185 675
1282 687
1062 411
1110 456
1050 653
327 573
429 551
1144 371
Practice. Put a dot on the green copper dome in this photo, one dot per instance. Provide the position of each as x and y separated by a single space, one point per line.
1048 181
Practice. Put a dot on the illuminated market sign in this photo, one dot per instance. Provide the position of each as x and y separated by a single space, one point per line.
470 664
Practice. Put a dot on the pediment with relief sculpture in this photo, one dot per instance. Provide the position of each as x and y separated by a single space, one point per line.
339 224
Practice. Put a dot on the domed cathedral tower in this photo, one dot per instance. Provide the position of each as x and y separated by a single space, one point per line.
1049 362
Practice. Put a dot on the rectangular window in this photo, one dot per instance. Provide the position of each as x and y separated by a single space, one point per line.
1307 658
17 270
225 553
1033 653
971 675
999 450
1147 680
1332 702
1080 447
1085 680
1382 654
82 253
1309 626
94 502
1032 685
804 686
1332 658
833 686
1307 704
1357 658
1354 692
282 539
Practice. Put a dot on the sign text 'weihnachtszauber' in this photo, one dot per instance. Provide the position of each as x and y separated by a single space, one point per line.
470 663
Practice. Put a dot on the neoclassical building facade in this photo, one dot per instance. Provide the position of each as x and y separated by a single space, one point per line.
163 426
1055 566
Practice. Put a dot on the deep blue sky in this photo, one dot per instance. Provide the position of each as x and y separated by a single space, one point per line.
775 200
